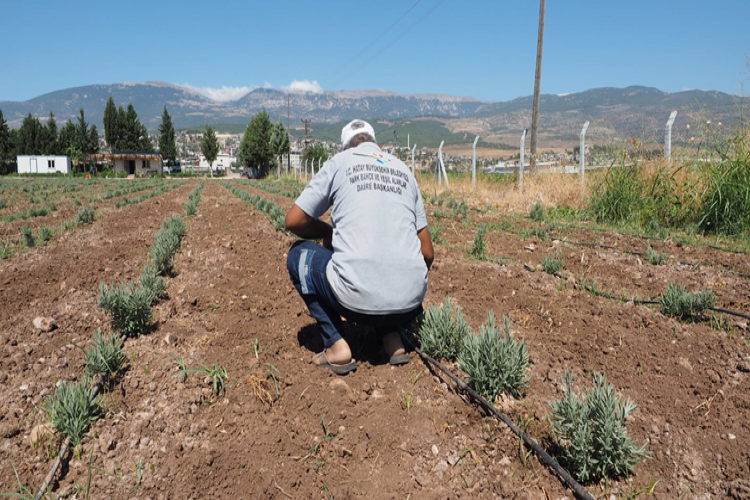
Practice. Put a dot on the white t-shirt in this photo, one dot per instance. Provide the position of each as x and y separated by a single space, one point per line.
377 265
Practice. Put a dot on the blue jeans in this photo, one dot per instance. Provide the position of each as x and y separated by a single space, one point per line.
306 263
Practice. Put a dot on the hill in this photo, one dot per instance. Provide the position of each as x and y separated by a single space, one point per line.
615 113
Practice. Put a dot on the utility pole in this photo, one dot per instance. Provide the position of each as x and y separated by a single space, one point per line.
537 82
288 132
306 121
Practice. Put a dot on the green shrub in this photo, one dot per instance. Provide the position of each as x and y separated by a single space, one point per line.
3 204
72 409
591 434
655 257
167 243
45 234
537 212
553 264
105 356
152 283
495 362
85 216
28 236
679 303
442 331
77 203
129 307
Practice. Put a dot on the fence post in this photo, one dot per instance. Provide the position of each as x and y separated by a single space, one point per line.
412 158
582 150
440 164
668 136
474 162
521 160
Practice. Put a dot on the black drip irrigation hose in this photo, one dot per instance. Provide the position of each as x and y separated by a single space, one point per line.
579 490
642 254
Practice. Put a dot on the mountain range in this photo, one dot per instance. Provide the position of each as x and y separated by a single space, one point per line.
616 112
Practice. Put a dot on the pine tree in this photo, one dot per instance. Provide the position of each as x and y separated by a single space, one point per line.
111 129
167 138
29 137
210 147
6 144
255 147
279 141
51 146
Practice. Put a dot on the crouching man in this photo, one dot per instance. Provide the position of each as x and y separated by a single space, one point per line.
372 265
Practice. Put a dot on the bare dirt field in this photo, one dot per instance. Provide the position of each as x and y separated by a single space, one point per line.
286 429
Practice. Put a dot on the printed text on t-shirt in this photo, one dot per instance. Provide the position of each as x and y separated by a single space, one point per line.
370 177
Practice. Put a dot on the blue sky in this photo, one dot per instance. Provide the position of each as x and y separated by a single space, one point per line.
483 49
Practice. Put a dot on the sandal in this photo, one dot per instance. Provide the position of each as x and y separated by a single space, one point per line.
321 360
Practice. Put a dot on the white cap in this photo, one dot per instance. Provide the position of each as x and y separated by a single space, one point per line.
353 128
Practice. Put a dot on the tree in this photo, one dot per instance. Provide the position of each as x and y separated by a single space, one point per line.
210 147
279 141
167 138
111 128
6 145
49 141
29 137
133 135
316 154
255 147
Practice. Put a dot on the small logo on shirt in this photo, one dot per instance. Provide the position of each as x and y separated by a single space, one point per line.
380 158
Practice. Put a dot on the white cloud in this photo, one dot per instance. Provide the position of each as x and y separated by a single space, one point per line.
267 84
687 89
222 94
304 86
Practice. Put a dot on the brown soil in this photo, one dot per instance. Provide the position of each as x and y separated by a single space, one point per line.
286 429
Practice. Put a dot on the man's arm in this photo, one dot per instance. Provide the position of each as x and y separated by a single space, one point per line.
304 226
427 251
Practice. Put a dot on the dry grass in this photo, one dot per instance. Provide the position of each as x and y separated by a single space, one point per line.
551 190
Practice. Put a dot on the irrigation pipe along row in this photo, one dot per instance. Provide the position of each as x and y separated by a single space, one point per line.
546 457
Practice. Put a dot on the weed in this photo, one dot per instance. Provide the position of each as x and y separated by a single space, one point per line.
654 257
618 196
271 369
72 408
478 250
182 370
6 250
537 212
725 205
329 436
590 431
720 323
681 304
256 347
442 331
553 264
84 216
77 203
217 376
105 356
494 360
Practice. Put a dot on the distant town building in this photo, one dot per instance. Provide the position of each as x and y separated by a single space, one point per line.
43 164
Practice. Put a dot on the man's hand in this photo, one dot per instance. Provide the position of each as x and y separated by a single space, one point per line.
304 226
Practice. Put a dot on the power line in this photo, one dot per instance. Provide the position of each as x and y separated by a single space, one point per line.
372 43
392 42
